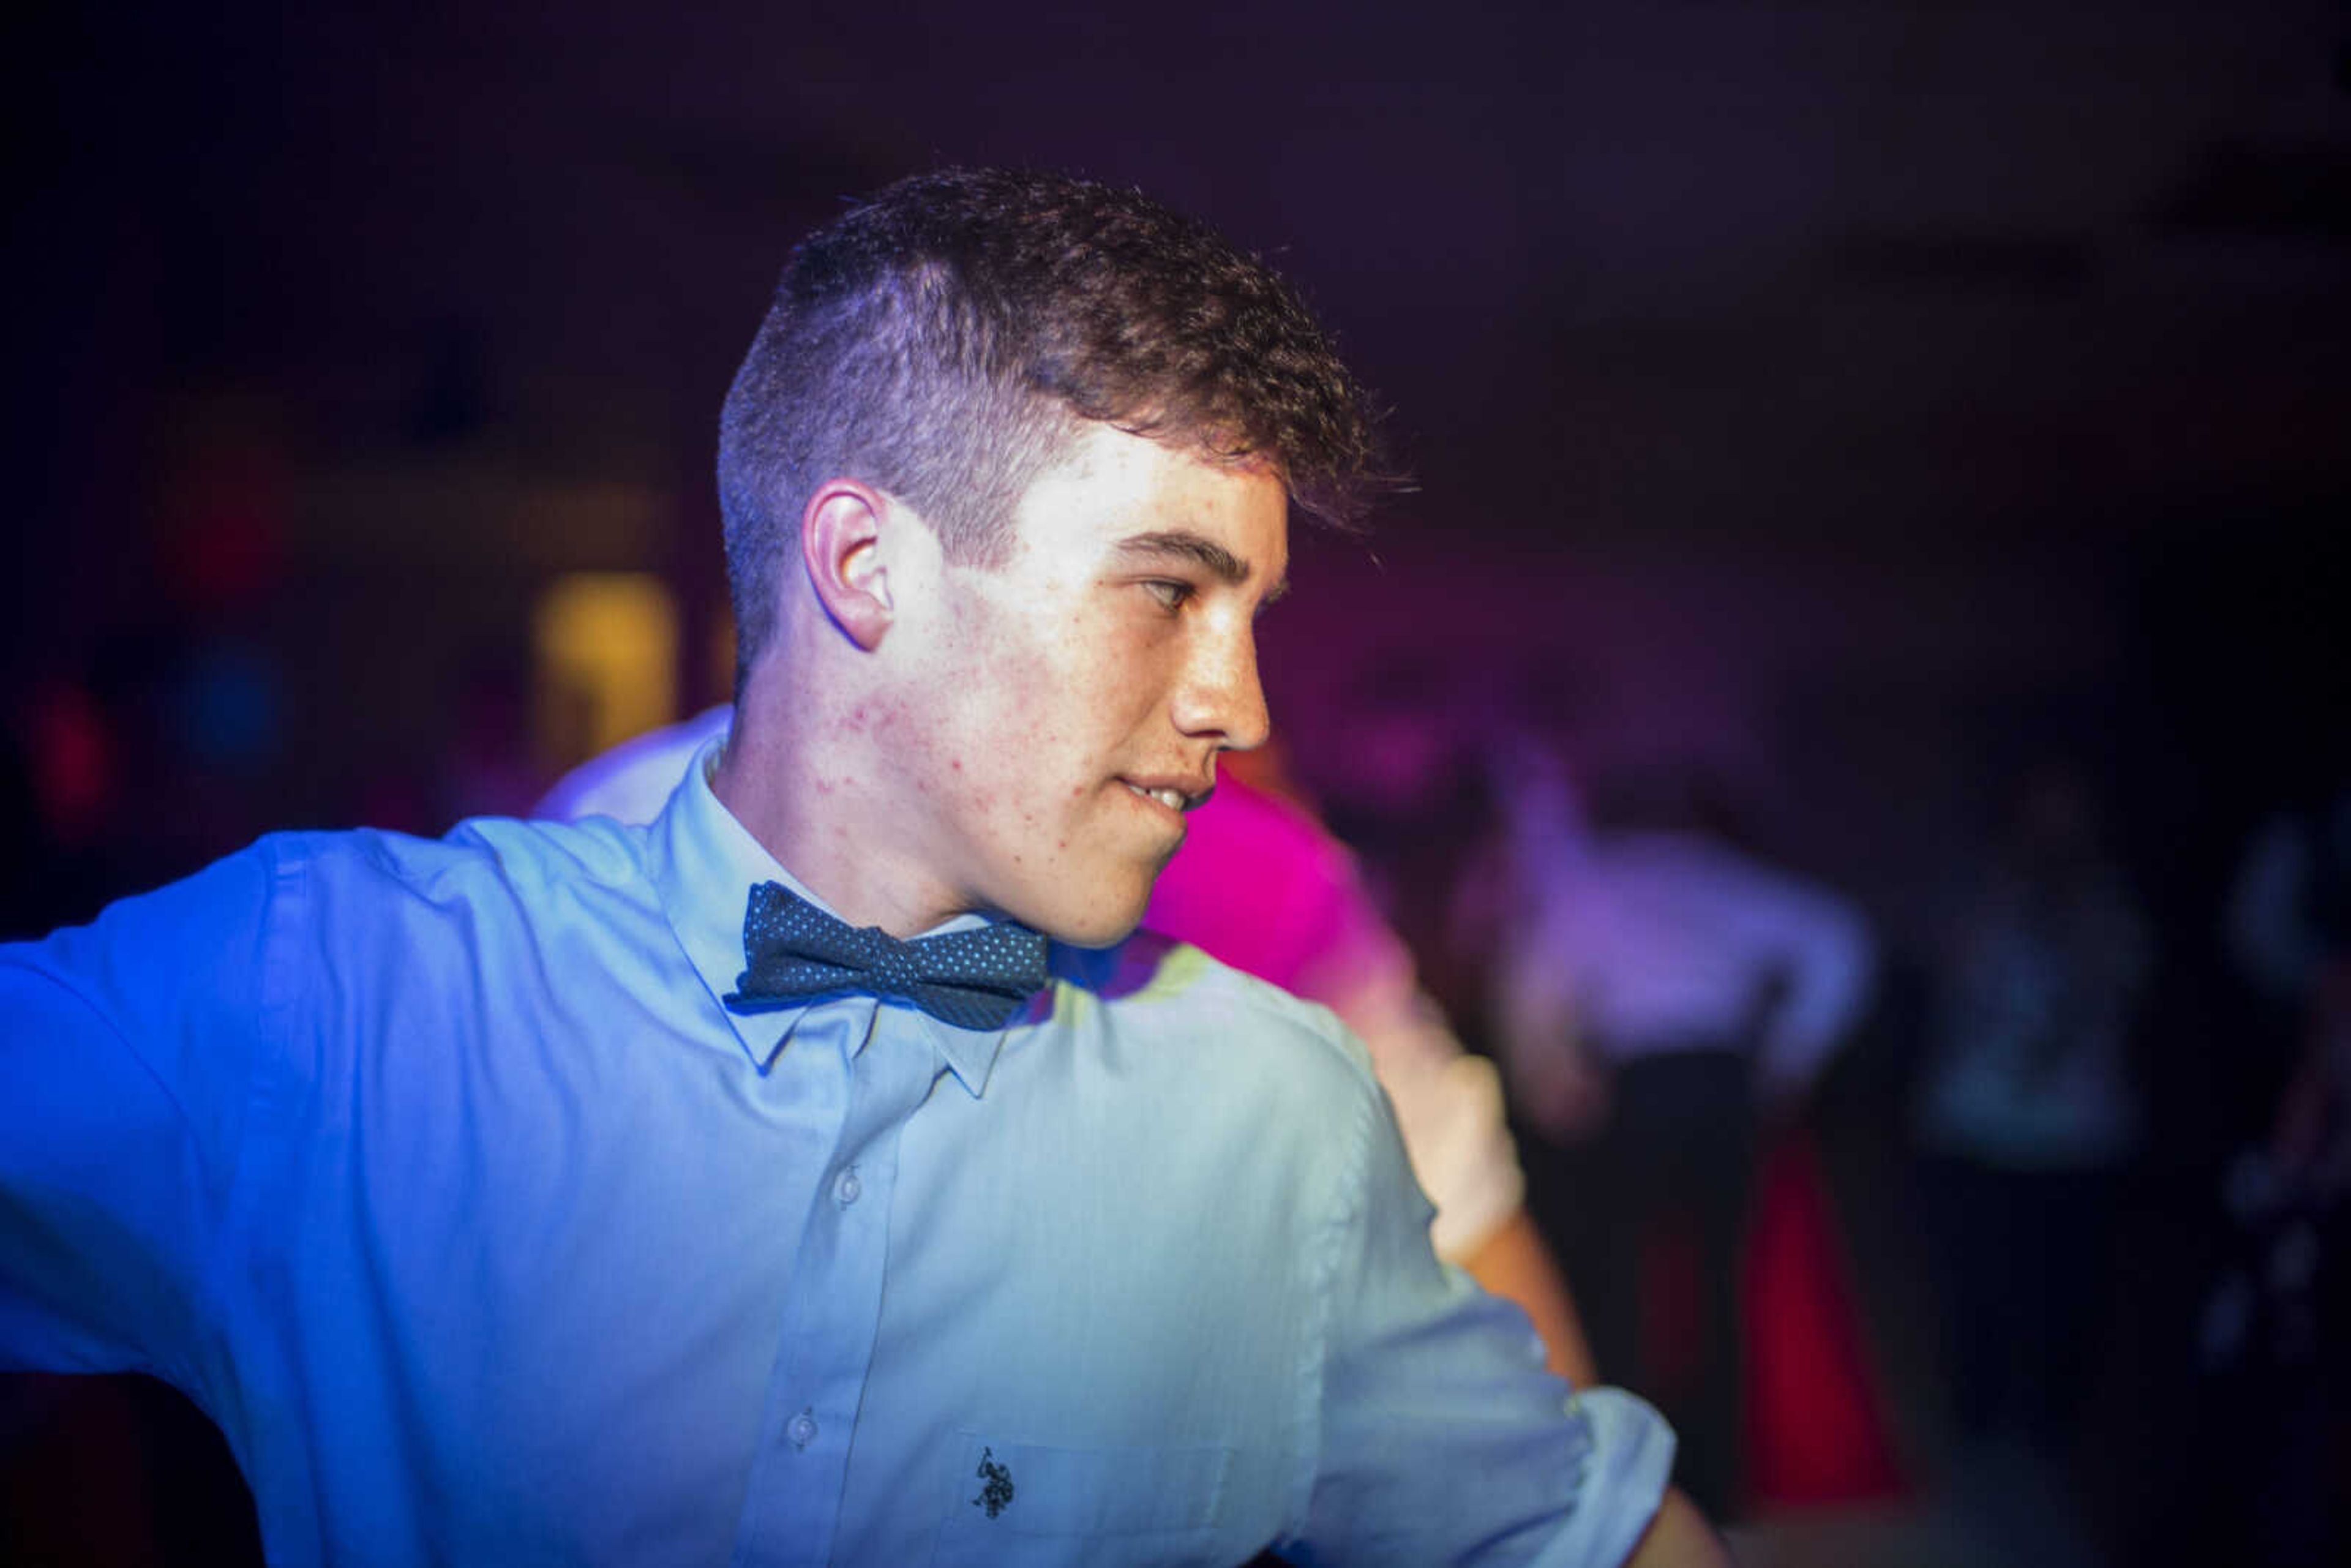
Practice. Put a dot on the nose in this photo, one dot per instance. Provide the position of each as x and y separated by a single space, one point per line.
1220 698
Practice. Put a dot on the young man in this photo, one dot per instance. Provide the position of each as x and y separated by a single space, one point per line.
817 1174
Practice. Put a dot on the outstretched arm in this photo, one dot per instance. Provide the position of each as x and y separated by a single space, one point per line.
125 1059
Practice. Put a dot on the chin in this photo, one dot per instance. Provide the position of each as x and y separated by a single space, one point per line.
1092 930
1084 901
1095 922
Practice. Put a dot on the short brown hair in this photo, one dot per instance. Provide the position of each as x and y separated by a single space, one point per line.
941 340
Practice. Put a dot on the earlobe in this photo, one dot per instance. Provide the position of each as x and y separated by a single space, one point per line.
840 531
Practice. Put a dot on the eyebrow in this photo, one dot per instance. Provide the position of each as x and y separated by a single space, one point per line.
1201 550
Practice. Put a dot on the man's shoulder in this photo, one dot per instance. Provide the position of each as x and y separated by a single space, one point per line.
482 857
1205 1015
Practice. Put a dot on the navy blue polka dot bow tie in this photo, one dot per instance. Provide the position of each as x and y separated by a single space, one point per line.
973 980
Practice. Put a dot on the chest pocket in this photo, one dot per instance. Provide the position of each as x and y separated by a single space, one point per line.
1022 1505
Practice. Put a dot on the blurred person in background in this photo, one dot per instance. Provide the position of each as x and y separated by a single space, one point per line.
1261 885
2288 913
2272 1372
2029 1109
2288 928
1661 993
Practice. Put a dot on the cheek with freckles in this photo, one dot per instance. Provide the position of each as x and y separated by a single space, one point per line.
1029 721
1002 739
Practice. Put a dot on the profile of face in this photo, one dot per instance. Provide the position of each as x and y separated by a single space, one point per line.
1058 713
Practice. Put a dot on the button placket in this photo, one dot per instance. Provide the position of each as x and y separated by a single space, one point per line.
791 1515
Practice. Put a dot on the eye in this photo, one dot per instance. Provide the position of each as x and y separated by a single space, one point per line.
1171 595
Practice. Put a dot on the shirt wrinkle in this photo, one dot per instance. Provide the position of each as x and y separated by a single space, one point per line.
279 977
1346 1207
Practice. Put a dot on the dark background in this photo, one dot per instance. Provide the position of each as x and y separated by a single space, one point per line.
1852 396
1798 384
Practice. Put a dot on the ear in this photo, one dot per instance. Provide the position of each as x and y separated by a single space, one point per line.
841 533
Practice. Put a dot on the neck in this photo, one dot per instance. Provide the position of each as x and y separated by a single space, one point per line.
799 777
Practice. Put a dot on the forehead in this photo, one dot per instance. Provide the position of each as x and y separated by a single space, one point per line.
1112 490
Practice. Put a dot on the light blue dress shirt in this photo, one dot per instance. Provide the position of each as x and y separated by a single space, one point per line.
436 1172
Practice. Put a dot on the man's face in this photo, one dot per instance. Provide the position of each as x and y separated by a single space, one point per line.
1065 707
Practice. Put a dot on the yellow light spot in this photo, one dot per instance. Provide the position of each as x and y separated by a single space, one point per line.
606 649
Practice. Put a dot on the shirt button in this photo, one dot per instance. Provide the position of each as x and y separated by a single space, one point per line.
802 1430
847 1189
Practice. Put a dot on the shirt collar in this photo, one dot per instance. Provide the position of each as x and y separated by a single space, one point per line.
704 865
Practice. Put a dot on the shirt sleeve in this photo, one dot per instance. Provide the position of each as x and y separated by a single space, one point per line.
1826 954
1443 1439
126 1055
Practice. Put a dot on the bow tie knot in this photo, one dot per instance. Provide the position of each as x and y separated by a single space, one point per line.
794 951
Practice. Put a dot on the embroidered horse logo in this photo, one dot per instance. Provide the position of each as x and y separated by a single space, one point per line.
999 1489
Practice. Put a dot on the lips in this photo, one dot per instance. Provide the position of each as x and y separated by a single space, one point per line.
1178 795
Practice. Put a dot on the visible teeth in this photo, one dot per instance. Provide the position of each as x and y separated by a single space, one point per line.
1171 798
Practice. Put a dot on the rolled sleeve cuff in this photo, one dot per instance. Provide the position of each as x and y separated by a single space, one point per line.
1624 1474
